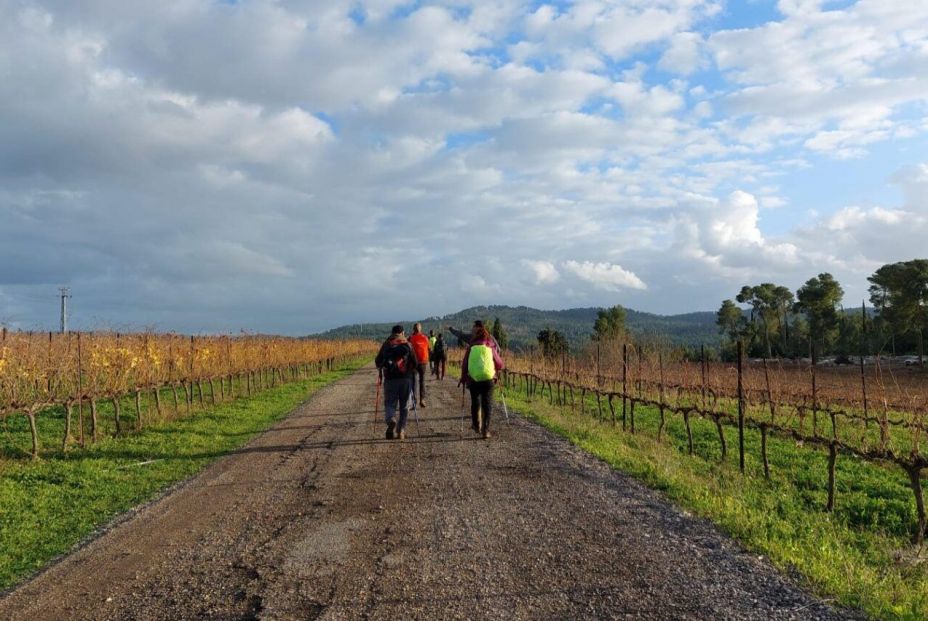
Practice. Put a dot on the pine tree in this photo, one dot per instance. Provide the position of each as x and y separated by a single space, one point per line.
499 333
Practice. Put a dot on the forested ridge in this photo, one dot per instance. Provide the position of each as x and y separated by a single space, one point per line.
523 324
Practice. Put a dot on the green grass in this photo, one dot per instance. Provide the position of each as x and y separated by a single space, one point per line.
48 506
859 555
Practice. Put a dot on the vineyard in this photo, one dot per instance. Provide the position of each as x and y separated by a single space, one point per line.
141 376
874 413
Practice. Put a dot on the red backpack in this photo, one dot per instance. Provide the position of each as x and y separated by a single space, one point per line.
396 360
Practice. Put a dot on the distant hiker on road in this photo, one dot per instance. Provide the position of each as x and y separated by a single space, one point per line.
432 340
439 357
466 338
397 364
479 373
420 344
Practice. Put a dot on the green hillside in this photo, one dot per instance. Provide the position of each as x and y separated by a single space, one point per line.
523 324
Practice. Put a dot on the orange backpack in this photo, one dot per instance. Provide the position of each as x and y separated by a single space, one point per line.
420 344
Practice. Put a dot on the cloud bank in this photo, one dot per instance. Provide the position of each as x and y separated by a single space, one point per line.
293 165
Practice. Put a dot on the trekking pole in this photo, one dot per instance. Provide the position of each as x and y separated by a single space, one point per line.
502 393
462 409
377 398
415 415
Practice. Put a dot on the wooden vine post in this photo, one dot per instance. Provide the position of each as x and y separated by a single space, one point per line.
915 480
763 450
229 362
740 407
138 409
193 353
703 363
718 421
624 381
30 414
94 427
814 392
637 391
80 394
863 351
763 426
660 366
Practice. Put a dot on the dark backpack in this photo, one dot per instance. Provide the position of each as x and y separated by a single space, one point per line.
438 352
396 360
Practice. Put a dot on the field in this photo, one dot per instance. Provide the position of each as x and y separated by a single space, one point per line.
144 411
76 373
820 469
823 473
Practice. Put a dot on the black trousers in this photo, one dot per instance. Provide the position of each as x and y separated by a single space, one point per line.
438 368
420 370
481 398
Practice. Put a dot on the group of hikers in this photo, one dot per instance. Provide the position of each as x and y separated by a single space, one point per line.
401 361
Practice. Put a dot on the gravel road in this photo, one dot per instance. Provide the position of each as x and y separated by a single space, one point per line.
322 518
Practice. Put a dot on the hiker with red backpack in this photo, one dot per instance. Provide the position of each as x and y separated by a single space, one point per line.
397 364
420 345
479 373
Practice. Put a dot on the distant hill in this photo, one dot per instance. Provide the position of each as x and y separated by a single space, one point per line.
523 324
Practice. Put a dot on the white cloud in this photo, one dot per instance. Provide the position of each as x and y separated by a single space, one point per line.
734 223
684 55
544 272
605 275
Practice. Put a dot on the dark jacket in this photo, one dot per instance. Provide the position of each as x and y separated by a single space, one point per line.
497 360
395 354
438 351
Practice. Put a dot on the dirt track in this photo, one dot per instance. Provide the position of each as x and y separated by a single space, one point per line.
322 518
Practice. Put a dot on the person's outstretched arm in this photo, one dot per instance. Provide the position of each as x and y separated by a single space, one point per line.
460 334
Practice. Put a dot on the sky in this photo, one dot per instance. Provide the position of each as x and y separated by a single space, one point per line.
289 166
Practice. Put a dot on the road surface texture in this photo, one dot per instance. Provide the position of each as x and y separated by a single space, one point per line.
322 518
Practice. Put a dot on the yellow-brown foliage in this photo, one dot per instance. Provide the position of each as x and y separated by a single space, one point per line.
45 369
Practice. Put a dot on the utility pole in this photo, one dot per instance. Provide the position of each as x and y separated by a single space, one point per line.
65 293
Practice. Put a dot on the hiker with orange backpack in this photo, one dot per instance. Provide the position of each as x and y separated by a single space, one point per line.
479 373
397 363
420 345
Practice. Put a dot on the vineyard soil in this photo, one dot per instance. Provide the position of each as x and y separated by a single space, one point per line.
323 518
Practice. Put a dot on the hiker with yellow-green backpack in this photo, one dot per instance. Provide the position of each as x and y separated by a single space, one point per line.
479 372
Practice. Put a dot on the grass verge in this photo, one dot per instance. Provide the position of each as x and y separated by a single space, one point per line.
858 556
48 506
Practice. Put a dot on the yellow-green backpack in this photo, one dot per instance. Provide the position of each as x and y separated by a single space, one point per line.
480 365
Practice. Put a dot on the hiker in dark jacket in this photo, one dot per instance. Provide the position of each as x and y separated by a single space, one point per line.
466 339
479 370
439 357
397 364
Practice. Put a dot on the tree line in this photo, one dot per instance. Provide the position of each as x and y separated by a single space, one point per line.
609 326
777 322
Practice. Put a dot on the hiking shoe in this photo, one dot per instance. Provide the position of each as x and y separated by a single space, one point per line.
486 434
422 403
402 435
475 428
390 427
